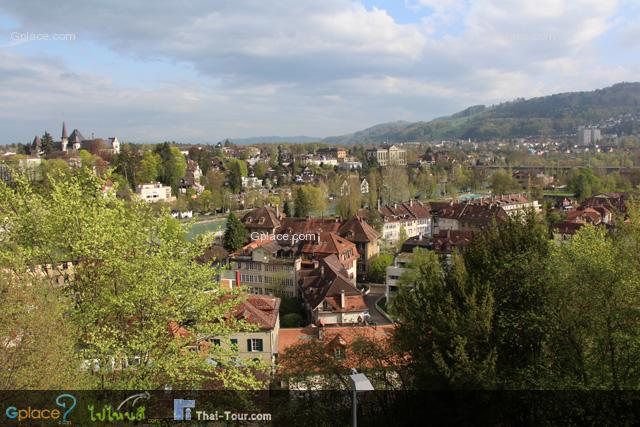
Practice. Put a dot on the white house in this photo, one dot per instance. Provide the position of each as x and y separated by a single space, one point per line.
155 192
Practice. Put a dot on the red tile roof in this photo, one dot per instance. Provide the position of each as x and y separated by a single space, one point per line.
327 243
327 282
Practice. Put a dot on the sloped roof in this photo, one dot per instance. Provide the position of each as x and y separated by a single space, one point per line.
478 214
332 336
413 209
260 310
327 282
308 225
327 243
76 136
356 230
264 217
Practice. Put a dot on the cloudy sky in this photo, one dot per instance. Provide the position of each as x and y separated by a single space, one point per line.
203 70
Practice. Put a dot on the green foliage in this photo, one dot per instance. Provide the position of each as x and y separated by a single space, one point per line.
237 169
46 143
287 208
445 325
374 219
511 259
235 234
134 274
150 167
402 237
377 269
584 183
317 198
302 203
503 183
174 164
595 339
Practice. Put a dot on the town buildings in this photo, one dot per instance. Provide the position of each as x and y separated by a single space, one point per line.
388 155
413 216
330 295
465 216
266 268
155 192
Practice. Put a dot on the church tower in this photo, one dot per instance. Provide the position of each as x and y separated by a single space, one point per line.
65 138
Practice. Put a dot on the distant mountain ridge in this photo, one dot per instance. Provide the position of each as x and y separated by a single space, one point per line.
547 115
274 139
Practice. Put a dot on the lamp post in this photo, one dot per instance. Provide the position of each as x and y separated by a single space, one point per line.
359 382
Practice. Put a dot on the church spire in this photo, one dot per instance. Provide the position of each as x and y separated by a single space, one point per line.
64 131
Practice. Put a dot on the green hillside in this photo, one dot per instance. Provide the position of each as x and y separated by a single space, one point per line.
547 115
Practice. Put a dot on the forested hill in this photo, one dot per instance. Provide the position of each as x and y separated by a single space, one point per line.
547 115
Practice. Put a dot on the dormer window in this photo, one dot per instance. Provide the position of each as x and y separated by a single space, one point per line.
338 353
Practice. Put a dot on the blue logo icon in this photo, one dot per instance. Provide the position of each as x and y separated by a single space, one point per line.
66 405
182 409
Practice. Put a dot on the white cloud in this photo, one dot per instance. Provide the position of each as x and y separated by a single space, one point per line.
294 67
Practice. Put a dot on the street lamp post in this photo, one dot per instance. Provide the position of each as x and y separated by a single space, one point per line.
359 382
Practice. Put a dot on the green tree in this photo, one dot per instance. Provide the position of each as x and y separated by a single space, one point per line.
317 197
235 234
287 208
375 220
46 143
445 324
595 339
377 270
126 163
174 164
150 167
402 237
237 169
302 203
124 313
511 259
502 182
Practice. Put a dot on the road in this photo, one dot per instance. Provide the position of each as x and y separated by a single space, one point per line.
374 313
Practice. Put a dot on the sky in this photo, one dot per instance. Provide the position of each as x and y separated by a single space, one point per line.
205 70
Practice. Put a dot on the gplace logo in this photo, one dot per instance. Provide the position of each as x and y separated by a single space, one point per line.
66 401
182 409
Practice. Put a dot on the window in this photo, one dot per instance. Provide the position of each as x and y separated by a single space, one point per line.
254 344
338 353
234 342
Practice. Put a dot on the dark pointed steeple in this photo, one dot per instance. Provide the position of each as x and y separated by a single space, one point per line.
64 131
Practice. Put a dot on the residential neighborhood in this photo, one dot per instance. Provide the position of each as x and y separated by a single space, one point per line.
345 212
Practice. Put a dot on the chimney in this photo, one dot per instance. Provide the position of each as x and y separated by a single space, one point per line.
378 203
342 301
320 331
410 202
238 279
278 211
322 271
395 206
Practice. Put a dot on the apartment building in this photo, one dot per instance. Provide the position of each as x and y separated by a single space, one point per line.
264 267
388 155
155 192
414 216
